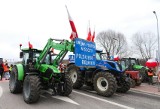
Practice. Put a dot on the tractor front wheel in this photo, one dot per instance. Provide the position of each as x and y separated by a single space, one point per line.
15 85
133 83
31 89
66 88
104 84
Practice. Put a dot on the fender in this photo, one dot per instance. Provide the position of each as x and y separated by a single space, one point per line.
99 68
20 71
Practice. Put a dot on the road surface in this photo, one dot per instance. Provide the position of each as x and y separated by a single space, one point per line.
80 99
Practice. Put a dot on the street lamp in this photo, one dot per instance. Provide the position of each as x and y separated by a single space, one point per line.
157 33
158 49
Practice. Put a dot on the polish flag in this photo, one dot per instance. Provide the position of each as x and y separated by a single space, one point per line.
74 31
30 45
93 36
89 38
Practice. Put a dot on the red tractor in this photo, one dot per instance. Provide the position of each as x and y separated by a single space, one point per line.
134 75
135 78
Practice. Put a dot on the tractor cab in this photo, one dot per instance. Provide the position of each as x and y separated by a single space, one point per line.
29 55
111 65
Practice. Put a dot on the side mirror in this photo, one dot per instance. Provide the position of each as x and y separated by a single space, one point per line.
21 54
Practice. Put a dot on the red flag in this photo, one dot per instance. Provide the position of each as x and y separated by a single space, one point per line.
74 31
93 36
89 38
30 45
116 58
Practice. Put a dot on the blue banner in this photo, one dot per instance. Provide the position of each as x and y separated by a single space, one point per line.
85 52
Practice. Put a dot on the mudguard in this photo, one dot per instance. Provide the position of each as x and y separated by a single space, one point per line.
20 72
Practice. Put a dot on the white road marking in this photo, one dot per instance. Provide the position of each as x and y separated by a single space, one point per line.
1 91
100 99
66 99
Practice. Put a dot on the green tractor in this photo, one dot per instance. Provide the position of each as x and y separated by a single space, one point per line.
132 64
39 71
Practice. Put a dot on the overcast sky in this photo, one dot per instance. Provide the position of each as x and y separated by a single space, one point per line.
38 20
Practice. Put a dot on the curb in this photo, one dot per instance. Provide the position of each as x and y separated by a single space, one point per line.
145 92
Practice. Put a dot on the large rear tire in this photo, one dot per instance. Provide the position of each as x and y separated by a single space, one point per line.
104 84
31 89
138 82
124 86
15 85
76 76
66 88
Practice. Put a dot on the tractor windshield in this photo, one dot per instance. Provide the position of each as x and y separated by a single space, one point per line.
26 56
98 57
104 56
133 61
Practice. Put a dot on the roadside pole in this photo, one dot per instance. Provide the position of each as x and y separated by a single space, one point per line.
154 12
158 81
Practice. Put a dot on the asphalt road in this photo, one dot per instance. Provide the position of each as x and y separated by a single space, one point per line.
80 99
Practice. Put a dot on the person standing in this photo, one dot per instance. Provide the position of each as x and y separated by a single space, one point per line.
10 68
1 71
6 71
150 76
1 68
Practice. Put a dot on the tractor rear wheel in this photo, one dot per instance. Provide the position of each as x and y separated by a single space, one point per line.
31 89
124 86
104 84
138 82
66 88
15 85
76 76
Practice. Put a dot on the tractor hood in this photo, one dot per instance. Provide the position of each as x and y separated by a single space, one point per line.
138 67
110 65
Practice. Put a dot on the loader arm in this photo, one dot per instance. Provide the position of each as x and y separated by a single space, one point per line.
64 46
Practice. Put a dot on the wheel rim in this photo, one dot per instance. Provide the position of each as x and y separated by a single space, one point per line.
26 90
102 84
73 76
12 80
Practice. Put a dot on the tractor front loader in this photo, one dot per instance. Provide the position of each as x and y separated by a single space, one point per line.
39 70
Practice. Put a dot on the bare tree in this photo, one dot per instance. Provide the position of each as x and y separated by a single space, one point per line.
144 44
112 42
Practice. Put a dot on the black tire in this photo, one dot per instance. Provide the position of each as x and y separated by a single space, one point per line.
143 74
15 85
124 86
138 82
104 84
31 89
67 86
133 83
76 76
